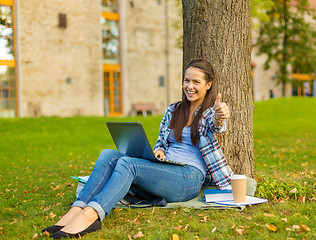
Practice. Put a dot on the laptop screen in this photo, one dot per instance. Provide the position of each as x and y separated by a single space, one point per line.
130 139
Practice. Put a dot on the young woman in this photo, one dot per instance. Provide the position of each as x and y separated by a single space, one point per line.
187 134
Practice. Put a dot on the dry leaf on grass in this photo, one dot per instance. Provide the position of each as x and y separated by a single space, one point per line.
139 235
269 215
152 212
35 236
304 227
272 228
129 237
301 199
52 215
175 237
294 190
289 229
214 229
204 219
14 221
239 231
178 228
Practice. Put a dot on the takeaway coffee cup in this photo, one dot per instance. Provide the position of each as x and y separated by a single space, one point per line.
239 185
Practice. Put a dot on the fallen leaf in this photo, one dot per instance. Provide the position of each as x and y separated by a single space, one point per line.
186 227
204 219
284 219
178 228
175 237
46 209
269 215
14 221
214 229
304 164
46 233
139 235
239 231
52 215
304 227
294 190
35 236
296 227
129 237
272 228
289 229
301 199
233 227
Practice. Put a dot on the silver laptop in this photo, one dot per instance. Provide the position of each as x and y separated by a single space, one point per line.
130 139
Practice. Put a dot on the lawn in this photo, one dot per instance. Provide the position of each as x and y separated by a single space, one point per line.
37 156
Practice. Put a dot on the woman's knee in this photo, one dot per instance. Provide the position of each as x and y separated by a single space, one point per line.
125 163
107 156
107 152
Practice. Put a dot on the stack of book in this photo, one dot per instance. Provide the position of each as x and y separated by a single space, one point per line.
225 197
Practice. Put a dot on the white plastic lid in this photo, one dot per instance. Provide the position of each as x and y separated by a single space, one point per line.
236 177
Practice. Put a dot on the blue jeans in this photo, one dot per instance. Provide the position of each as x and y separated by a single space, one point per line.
115 173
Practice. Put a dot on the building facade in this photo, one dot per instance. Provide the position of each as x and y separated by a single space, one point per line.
87 57
97 57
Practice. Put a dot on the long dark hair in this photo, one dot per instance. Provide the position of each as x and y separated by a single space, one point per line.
180 117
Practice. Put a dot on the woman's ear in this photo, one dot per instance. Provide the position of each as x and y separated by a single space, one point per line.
209 85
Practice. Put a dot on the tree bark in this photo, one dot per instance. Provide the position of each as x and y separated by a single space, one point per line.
220 32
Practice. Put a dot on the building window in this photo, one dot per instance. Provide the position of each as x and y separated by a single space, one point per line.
111 58
8 96
111 41
110 6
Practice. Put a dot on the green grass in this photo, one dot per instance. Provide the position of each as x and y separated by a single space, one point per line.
37 156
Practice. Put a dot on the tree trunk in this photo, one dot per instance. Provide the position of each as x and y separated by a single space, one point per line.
220 32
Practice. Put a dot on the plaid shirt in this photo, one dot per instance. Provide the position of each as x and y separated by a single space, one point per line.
218 172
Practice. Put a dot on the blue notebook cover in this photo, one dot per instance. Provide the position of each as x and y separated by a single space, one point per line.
216 191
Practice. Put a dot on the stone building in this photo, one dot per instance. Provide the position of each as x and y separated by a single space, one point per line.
97 57
87 57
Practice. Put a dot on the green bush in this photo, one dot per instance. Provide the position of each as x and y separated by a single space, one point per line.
272 189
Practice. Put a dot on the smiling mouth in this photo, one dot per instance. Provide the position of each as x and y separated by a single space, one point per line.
190 92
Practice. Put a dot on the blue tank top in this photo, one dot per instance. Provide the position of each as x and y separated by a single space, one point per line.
185 151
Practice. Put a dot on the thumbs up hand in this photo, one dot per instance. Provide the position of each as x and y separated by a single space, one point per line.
221 111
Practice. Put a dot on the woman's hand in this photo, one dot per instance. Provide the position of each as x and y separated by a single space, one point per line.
159 153
221 111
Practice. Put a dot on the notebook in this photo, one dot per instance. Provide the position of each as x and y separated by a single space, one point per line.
130 139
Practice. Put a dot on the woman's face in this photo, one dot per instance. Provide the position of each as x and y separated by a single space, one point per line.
195 85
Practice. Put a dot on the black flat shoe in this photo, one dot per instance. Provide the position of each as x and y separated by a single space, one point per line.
52 229
96 225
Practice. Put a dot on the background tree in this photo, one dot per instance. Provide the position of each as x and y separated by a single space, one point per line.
259 9
220 31
288 39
